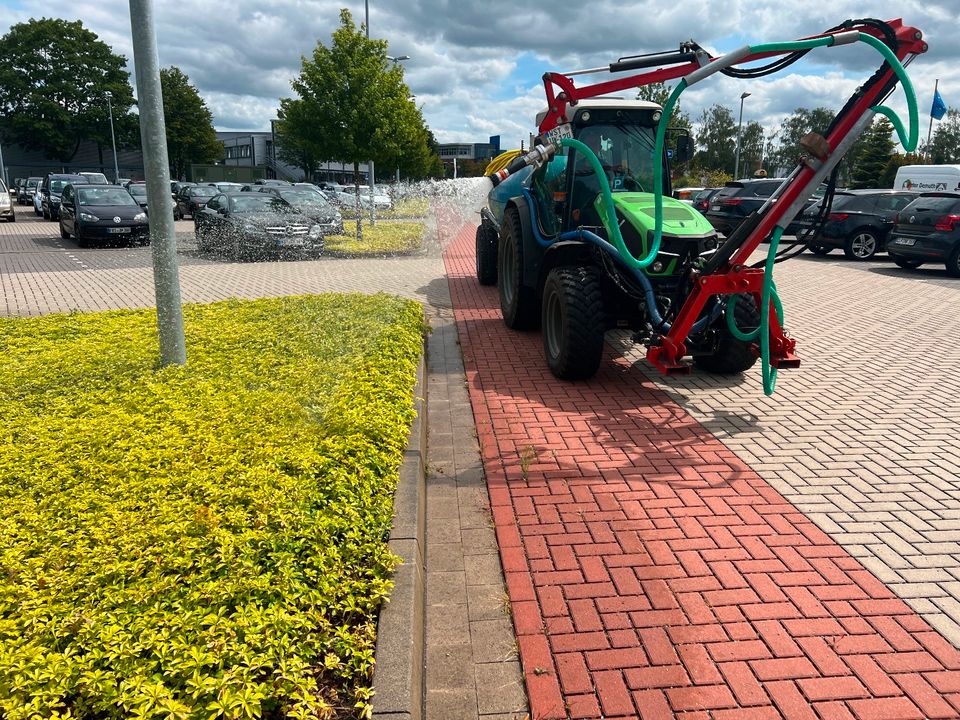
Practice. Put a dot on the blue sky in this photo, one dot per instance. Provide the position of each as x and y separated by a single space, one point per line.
475 67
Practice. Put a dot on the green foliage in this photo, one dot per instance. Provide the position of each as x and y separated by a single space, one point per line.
872 160
787 153
54 77
751 148
383 238
945 145
352 106
201 542
897 161
717 138
190 134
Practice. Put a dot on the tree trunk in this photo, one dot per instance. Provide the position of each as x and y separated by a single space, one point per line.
356 190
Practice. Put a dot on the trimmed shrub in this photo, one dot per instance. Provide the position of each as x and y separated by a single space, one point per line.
385 237
208 541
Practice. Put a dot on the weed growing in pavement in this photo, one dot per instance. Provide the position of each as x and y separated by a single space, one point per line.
528 454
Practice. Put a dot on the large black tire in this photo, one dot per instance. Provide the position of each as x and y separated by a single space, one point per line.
573 322
733 356
518 303
486 254
907 263
63 233
862 244
953 263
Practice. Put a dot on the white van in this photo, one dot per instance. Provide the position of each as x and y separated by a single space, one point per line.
928 178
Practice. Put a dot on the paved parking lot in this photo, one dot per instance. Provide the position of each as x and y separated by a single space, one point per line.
41 273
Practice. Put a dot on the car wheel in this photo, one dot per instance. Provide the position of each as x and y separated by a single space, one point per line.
953 263
906 263
861 245
81 241
63 231
818 249
202 244
46 215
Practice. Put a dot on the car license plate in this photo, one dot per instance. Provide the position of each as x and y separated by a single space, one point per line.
904 241
118 231
291 242
555 135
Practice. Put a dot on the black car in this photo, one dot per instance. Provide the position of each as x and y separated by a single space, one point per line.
859 222
50 190
95 178
26 190
250 225
311 203
928 229
734 202
701 201
102 214
177 185
191 200
138 191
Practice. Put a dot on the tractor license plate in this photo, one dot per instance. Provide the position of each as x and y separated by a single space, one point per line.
904 241
560 132
118 231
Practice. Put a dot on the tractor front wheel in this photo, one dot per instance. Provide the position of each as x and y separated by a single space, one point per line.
733 356
486 254
573 322
518 303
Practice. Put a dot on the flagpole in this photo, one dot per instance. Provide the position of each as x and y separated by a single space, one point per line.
936 84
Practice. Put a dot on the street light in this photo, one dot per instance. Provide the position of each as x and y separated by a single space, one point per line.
736 164
113 140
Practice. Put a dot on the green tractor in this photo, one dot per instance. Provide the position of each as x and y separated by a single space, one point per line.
545 240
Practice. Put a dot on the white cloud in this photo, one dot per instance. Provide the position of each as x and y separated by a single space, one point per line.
464 55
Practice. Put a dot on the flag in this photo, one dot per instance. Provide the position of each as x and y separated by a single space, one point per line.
939 107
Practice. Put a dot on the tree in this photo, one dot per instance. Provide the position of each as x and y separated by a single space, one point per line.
897 161
54 77
293 147
660 93
945 145
352 104
717 138
871 162
788 151
190 134
751 148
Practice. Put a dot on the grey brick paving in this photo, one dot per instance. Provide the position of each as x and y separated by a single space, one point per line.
864 438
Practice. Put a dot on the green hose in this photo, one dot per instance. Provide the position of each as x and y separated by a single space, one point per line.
909 141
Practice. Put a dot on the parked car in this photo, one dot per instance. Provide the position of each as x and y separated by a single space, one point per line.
7 211
138 191
701 201
192 199
738 199
226 187
102 214
28 189
686 194
96 178
859 222
177 185
252 225
15 186
51 188
310 203
38 201
928 229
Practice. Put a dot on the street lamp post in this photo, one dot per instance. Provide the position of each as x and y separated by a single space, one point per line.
3 168
736 164
113 140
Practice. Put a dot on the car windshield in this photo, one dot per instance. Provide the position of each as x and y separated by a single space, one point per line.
104 196
138 190
33 182
203 191
96 178
304 197
56 186
933 203
257 204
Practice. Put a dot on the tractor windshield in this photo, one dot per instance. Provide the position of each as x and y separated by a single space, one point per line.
626 153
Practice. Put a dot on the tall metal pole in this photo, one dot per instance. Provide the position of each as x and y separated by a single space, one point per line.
3 168
936 85
153 136
736 163
113 141
366 17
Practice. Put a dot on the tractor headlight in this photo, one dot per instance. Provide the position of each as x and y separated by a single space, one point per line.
657 266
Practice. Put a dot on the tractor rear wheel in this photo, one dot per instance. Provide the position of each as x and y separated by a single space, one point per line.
518 303
486 254
573 322
733 356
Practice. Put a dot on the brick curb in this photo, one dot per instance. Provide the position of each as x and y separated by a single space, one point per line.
398 674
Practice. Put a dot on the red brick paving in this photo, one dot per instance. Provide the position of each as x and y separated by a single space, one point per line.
653 574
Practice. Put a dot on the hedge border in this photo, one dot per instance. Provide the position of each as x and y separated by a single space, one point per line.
398 676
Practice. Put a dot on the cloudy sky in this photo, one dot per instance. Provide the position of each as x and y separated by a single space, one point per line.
475 66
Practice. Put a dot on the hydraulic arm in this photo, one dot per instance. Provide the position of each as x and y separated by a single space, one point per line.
727 272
